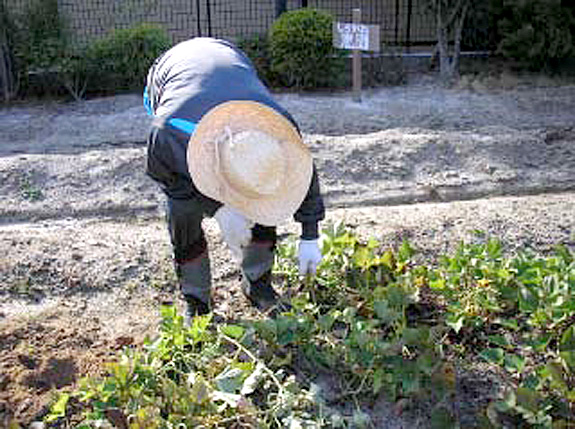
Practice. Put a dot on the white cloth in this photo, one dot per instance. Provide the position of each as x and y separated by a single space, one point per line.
309 256
236 229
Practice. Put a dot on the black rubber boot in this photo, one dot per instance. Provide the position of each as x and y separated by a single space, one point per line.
195 284
194 307
260 292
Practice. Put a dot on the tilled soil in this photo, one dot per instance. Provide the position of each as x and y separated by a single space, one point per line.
85 254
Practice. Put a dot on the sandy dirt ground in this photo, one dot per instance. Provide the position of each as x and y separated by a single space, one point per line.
84 254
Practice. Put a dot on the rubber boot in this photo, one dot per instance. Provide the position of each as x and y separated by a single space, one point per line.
257 262
196 285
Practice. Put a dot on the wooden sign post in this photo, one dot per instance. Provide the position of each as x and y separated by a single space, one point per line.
357 37
356 67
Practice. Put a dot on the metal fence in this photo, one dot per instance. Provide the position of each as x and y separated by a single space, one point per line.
406 26
404 23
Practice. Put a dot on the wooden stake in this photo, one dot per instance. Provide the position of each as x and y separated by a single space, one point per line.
356 71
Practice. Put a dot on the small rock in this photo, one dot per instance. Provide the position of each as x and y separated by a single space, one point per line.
28 361
4 381
123 341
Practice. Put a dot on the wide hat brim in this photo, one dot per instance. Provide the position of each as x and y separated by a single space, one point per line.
245 116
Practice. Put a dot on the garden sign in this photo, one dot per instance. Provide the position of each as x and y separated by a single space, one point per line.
357 37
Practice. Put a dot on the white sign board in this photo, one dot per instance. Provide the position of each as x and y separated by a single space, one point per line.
362 37
352 36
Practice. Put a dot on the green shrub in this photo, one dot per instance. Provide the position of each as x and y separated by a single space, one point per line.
120 60
257 48
45 34
536 33
302 52
8 77
39 38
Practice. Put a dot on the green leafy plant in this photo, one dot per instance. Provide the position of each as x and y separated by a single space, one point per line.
8 63
537 34
257 48
28 189
302 52
39 38
197 377
121 59
378 322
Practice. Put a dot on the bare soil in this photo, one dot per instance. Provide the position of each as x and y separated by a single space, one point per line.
85 256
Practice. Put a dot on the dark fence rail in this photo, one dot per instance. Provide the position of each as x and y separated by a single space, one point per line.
407 27
403 22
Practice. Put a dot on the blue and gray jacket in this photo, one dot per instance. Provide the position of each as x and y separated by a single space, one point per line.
184 84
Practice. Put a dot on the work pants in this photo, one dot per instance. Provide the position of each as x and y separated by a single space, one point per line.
191 257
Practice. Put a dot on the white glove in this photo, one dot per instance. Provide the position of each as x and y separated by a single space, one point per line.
309 256
235 227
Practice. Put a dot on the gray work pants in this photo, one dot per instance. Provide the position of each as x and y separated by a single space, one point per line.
191 256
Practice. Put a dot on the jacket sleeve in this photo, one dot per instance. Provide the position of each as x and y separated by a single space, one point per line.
311 210
165 165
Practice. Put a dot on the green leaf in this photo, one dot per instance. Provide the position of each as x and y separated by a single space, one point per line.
528 300
508 403
405 251
416 336
384 312
455 321
438 284
388 259
426 362
556 374
398 296
499 340
567 347
199 326
410 380
58 409
253 380
514 363
494 248
441 418
378 379
564 253
493 355
230 380
326 321
508 323
539 343
527 398
233 331
533 381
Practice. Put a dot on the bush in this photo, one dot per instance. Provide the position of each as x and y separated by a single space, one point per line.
8 78
39 38
257 48
120 60
536 33
44 34
302 52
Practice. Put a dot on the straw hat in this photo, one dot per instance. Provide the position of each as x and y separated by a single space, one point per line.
248 156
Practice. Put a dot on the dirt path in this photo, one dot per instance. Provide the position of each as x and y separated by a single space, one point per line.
86 259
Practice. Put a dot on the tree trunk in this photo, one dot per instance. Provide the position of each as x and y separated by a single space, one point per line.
450 21
457 39
442 42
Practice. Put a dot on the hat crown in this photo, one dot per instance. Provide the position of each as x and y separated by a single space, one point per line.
252 162
247 155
